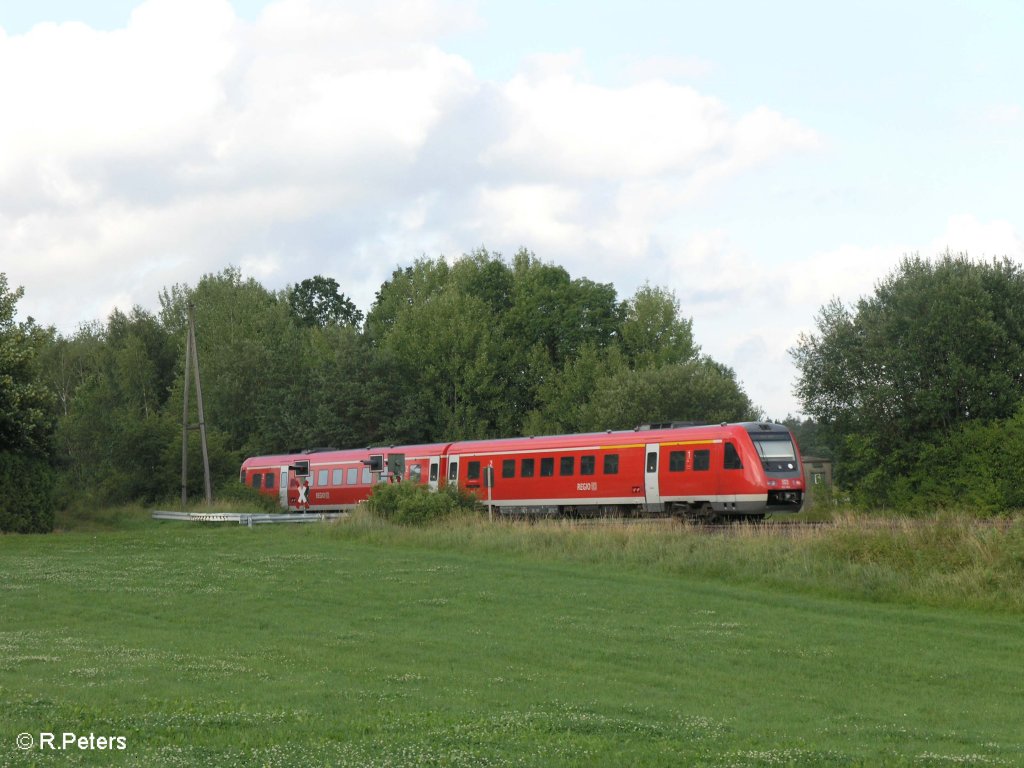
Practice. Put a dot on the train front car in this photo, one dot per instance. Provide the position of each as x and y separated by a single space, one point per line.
780 459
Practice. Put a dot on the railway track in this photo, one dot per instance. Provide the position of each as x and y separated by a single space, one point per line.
764 527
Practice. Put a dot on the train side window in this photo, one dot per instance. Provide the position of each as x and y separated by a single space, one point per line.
508 468
257 481
367 477
268 480
701 461
453 470
547 467
677 461
611 464
526 468
433 473
587 465
353 475
567 466
732 458
321 478
415 473
473 470
652 461
338 477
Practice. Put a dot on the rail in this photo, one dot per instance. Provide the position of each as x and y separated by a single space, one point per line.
246 518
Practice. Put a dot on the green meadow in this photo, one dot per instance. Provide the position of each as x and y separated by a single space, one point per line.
466 644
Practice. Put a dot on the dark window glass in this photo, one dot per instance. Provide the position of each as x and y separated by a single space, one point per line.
652 461
547 467
508 468
268 480
257 481
701 461
526 468
587 464
611 464
453 470
732 458
677 461
433 473
567 466
473 470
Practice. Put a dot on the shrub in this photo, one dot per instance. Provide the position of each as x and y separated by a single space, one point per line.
234 491
415 504
27 501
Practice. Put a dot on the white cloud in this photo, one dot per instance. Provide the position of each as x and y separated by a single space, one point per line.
671 68
560 124
979 239
1004 114
343 139
851 271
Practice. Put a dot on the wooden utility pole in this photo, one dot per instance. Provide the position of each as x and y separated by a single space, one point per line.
192 361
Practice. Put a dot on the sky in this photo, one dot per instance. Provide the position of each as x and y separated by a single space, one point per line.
757 159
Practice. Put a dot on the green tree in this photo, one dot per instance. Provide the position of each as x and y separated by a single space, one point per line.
561 313
564 397
701 391
319 302
25 403
408 287
250 351
654 332
113 384
444 352
938 345
26 422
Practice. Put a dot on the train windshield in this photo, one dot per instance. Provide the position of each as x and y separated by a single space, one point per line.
775 449
777 453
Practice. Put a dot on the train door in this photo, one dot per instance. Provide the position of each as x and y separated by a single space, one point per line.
728 460
435 472
282 489
653 491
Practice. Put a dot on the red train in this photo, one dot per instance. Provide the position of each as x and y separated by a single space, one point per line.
727 470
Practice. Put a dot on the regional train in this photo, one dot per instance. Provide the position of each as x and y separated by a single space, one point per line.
709 472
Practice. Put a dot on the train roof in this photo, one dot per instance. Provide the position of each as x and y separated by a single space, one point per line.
332 455
603 439
620 438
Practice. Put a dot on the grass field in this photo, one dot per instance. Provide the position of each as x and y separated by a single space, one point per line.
362 644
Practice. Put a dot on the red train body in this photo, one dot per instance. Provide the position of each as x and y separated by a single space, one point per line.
727 470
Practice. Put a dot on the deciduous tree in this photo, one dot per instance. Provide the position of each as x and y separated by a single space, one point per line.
26 422
939 344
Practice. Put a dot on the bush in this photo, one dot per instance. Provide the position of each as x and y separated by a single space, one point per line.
27 501
235 492
415 504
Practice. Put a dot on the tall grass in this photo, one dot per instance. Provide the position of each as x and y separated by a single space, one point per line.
945 560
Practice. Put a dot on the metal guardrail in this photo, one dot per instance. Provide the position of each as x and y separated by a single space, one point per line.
247 519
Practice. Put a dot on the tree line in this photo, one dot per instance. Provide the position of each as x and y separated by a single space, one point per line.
916 391
482 347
